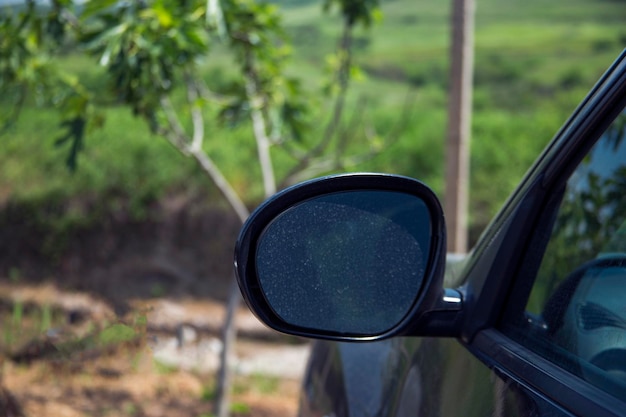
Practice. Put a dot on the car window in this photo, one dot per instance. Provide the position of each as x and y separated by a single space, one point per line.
576 313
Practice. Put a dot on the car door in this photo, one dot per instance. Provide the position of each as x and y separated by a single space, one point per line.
549 278
545 328
535 324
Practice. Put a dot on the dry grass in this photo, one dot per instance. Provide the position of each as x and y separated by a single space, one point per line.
80 372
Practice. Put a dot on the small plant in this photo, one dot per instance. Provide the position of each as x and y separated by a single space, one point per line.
158 290
116 333
13 331
239 408
26 322
240 387
264 384
15 275
131 409
46 318
208 393
163 368
18 314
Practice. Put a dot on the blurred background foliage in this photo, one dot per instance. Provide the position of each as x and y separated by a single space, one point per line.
534 62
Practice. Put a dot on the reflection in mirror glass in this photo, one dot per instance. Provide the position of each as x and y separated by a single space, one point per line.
350 262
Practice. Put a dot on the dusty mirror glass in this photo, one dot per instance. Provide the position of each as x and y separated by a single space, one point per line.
349 262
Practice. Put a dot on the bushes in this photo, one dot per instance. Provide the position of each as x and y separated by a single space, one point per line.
523 93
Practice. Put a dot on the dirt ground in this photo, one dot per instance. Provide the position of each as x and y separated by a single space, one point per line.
105 388
69 354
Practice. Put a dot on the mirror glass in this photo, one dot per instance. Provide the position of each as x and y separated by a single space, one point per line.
349 262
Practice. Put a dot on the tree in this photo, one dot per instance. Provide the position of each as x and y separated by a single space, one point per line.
151 51
459 124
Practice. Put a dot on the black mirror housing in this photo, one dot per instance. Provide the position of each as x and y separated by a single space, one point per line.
346 257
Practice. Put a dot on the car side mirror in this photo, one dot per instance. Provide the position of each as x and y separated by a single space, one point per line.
349 257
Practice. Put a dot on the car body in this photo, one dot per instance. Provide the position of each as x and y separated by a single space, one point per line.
533 323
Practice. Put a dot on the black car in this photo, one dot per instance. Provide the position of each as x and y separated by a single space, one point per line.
534 323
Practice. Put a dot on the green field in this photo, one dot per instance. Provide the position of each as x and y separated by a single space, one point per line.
534 62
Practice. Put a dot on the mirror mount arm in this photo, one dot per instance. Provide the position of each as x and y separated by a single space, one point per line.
452 300
445 319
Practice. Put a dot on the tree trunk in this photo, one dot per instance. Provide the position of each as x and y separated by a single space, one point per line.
229 337
459 124
229 329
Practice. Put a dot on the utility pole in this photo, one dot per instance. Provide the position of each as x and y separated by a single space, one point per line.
459 124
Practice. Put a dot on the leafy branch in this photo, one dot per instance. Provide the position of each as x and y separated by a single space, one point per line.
152 52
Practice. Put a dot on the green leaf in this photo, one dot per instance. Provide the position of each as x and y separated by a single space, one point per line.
163 15
116 333
74 135
93 7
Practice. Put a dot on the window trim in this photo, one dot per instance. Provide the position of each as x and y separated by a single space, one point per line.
542 377
508 356
524 279
537 242
494 272
491 272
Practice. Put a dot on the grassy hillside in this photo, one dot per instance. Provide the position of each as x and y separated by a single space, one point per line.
534 62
